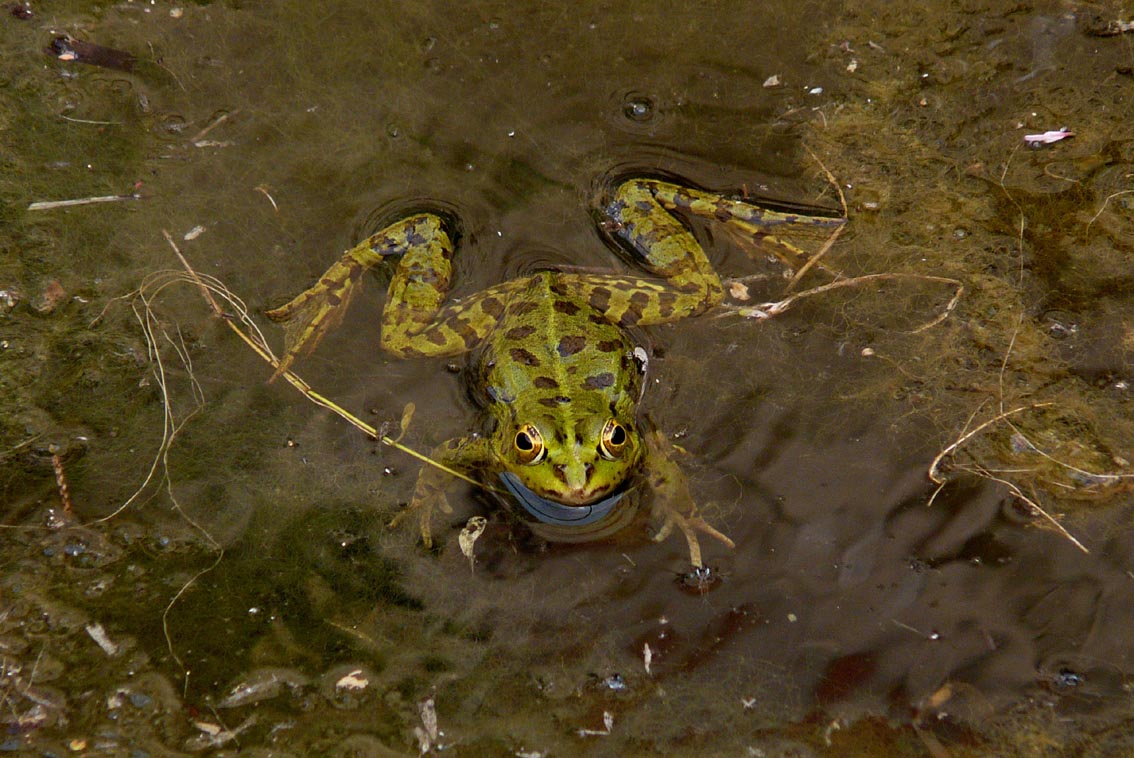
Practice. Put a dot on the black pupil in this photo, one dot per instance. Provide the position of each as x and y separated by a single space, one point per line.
523 441
618 436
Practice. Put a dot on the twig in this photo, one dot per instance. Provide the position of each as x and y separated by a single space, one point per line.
767 310
61 480
213 125
814 260
934 468
264 189
255 340
1035 507
46 205
1103 207
74 120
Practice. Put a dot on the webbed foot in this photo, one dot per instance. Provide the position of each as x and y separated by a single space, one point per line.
672 501
423 505
690 523
309 317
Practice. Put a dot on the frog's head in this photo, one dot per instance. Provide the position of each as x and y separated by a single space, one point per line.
576 464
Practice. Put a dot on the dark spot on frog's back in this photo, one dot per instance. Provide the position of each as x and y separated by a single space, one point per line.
600 299
555 402
521 355
571 344
520 332
566 306
599 381
492 307
635 309
609 346
545 383
466 332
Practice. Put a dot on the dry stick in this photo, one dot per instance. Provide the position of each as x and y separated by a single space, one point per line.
46 205
171 427
260 347
215 123
934 468
1035 506
1102 208
813 260
767 310
1107 478
151 288
61 480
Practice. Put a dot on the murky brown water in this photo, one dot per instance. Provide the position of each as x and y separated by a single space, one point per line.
252 597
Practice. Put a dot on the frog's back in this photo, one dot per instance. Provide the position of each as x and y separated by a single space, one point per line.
553 350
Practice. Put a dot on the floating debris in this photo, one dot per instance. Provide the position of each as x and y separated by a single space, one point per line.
1048 137
615 683
1099 27
354 680
468 537
607 723
260 685
46 205
194 233
102 639
428 735
215 735
52 297
67 48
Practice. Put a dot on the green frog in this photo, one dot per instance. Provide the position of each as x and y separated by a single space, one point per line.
554 361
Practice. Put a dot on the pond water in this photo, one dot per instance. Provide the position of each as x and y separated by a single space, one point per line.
223 578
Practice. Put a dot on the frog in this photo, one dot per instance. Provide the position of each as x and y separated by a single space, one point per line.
555 358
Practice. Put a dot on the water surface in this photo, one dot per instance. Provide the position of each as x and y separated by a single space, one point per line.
253 588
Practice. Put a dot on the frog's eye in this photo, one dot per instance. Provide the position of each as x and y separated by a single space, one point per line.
529 445
613 441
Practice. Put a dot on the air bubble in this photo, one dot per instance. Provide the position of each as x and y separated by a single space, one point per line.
638 107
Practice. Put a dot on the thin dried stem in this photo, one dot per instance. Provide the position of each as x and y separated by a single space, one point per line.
935 466
1015 490
814 260
767 310
252 337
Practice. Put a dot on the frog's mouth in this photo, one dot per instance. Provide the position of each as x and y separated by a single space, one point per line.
551 512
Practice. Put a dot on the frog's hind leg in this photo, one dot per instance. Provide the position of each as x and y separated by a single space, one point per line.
757 228
422 277
640 219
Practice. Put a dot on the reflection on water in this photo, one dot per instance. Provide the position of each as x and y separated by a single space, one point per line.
852 616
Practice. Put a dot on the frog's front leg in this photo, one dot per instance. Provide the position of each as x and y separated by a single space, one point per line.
672 502
463 455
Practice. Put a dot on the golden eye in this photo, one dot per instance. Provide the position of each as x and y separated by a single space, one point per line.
529 445
613 441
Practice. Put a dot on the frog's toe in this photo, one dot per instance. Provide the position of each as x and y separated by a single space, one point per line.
689 526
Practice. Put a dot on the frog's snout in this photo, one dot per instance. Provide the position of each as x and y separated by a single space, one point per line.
575 474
